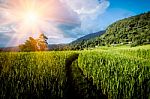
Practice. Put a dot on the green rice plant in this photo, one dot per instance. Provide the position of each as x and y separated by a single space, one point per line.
118 72
33 75
118 76
140 53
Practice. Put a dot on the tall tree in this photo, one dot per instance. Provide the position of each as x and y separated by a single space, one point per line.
42 42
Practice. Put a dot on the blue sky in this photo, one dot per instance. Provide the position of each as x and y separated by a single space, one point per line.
78 18
136 6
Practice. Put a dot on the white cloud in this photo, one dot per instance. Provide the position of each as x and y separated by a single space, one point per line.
89 12
86 7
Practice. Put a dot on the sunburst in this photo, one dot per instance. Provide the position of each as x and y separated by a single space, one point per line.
27 15
31 17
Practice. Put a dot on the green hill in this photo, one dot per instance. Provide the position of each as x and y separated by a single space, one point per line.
82 42
133 31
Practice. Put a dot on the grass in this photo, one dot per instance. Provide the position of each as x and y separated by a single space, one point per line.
115 72
32 75
122 47
117 75
121 72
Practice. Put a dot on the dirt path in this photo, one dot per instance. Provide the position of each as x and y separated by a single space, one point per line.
78 86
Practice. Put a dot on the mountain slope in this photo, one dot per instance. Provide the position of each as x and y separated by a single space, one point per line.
89 36
85 41
134 30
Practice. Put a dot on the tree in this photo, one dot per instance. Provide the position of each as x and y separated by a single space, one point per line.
32 44
42 42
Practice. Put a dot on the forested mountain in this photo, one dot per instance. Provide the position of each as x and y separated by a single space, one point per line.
134 31
85 41
89 36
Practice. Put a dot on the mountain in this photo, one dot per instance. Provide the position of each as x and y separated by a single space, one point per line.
79 41
9 49
89 36
83 42
133 31
58 47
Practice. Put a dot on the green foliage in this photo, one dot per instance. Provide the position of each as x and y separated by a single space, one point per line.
42 42
135 30
30 45
35 45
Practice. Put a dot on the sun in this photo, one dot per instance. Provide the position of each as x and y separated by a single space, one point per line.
31 18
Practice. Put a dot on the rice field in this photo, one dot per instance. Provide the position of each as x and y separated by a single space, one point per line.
112 73
32 75
120 73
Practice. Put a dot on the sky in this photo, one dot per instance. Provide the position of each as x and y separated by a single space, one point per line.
62 21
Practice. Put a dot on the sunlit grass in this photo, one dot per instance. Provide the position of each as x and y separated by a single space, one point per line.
34 73
121 72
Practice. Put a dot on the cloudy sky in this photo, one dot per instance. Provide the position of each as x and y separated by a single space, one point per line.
62 20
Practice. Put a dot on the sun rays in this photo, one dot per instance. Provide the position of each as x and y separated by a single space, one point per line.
30 17
27 18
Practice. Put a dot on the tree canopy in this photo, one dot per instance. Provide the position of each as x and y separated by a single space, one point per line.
39 44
